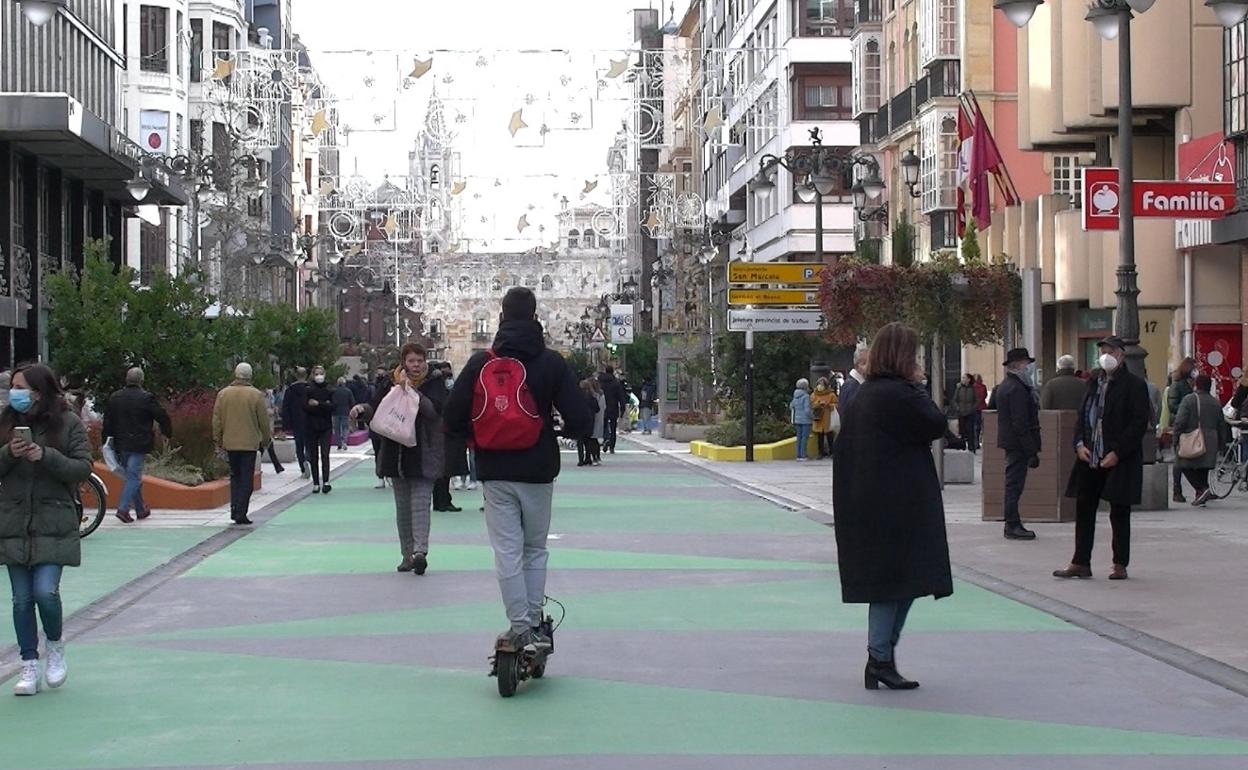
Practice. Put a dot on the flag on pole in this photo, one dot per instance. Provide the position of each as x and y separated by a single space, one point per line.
965 143
985 160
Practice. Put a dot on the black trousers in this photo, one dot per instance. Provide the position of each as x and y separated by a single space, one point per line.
611 424
966 429
277 464
376 454
1198 478
1178 479
1015 482
582 452
242 473
442 494
1091 485
319 444
595 450
825 443
300 435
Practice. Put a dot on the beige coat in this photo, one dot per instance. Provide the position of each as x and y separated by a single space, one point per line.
240 419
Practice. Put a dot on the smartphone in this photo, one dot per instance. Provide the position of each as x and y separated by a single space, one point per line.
23 432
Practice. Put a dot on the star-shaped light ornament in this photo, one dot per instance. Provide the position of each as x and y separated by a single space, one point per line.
421 68
618 68
517 122
355 250
391 226
224 68
320 123
458 188
590 187
523 224
714 119
327 189
652 222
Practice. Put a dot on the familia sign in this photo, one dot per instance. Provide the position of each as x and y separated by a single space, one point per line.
1153 198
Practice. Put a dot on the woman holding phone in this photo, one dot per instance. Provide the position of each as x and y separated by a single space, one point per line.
44 456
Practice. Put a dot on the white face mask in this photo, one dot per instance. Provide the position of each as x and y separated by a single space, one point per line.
319 379
1108 362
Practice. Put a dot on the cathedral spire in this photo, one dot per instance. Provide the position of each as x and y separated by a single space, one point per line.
435 116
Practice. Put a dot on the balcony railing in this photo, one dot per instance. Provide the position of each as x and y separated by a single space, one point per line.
866 128
868 11
879 129
945 78
922 91
901 109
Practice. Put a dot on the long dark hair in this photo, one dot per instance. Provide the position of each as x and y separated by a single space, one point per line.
48 410
894 353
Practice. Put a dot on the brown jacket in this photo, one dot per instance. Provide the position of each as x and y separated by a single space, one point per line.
827 402
240 419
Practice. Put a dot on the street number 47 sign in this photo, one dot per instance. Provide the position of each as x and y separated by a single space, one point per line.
1160 199
622 324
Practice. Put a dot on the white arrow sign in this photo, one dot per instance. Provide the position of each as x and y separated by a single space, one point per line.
774 320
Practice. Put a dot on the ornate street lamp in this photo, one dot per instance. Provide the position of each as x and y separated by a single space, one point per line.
40 12
138 187
910 171
1229 12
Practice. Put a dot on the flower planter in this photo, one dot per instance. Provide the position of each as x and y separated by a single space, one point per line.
169 495
285 449
686 433
763 453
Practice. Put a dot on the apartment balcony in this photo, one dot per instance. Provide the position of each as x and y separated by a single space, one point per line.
879 129
942 81
868 12
901 109
866 128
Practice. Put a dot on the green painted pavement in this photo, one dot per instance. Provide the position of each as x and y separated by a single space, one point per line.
231 709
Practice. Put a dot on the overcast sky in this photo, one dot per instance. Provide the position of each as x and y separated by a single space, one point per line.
490 58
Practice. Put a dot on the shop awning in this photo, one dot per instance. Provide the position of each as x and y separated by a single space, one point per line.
62 133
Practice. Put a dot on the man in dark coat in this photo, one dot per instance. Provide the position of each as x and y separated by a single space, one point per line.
1018 433
295 420
617 406
1109 439
1065 390
128 419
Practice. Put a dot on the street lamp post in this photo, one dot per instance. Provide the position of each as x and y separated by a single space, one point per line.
1112 19
40 12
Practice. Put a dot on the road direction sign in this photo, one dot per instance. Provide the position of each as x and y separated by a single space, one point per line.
797 273
622 324
773 297
774 320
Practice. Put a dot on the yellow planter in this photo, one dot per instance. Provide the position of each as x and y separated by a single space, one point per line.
763 453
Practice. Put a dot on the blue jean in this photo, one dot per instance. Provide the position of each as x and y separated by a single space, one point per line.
132 490
340 429
884 623
803 440
37 586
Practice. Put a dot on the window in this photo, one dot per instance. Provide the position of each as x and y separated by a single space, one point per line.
940 31
574 238
481 326
307 175
197 138
177 33
197 50
154 248
154 38
1235 90
1068 177
938 160
179 137
222 44
871 77
823 18
125 32
589 240
824 93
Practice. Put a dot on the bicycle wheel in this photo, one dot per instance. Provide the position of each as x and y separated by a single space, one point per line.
92 504
1226 476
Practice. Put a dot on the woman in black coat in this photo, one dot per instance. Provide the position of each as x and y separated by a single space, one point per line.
318 404
890 518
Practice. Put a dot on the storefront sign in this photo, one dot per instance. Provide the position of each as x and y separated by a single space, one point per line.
1205 159
154 131
797 273
1220 353
1153 198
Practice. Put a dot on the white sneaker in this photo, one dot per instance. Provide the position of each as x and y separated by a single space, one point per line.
381 484
471 486
28 682
56 671
457 483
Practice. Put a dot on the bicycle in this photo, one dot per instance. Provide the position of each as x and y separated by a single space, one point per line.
92 503
1232 468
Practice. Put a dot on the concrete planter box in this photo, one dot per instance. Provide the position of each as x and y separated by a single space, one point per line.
686 433
959 467
1044 496
285 449
167 495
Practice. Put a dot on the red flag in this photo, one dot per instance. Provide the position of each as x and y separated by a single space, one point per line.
964 166
984 159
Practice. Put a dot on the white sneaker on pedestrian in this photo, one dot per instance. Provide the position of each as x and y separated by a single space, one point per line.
28 681
472 485
457 483
381 484
56 672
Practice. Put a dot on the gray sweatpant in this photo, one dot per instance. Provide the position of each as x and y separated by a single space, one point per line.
412 498
518 518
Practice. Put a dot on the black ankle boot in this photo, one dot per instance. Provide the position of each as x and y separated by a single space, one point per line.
879 672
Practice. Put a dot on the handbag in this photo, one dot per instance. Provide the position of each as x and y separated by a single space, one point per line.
109 454
1192 443
395 418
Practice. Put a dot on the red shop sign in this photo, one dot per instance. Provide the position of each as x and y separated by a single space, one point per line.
1158 199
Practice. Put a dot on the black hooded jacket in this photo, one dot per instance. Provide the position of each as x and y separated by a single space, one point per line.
553 385
613 392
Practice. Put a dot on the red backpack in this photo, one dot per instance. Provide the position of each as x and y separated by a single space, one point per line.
504 413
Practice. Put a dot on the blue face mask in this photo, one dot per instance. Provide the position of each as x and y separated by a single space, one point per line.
21 400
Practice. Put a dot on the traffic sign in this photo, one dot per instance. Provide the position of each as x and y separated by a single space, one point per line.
772 297
799 273
598 340
622 324
774 320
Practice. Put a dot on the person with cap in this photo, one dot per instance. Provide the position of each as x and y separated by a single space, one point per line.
1109 436
240 427
128 420
1064 392
1018 433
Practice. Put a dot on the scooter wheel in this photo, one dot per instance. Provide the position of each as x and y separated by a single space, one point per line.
508 673
539 670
